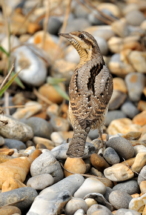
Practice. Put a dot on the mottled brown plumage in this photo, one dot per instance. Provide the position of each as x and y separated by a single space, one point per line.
90 90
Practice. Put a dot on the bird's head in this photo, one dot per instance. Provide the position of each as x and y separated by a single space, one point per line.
82 41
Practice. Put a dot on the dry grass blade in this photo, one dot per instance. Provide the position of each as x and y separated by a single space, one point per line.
44 99
7 77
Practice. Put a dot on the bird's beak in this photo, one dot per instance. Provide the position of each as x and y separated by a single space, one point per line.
66 35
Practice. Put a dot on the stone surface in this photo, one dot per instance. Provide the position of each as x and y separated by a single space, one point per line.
98 209
14 129
6 151
118 172
142 175
138 203
119 199
135 17
74 165
122 126
79 212
122 146
143 187
11 184
112 115
39 182
117 99
47 164
98 162
90 185
140 119
129 187
59 124
22 197
43 143
74 204
9 210
129 109
54 198
120 28
111 156
123 211
138 60
135 85
102 45
40 127
139 162
10 143
2 141
90 202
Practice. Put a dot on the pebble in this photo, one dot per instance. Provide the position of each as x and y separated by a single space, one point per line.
143 187
14 42
111 156
119 84
57 138
6 151
74 204
40 127
90 202
98 209
72 55
93 134
134 18
122 146
10 210
74 165
129 109
138 203
102 45
115 46
104 31
54 198
54 25
138 61
135 85
93 18
43 143
47 164
121 28
142 175
98 162
30 109
39 182
22 197
122 126
110 7
10 143
107 193
112 115
129 187
124 211
12 184
139 162
14 129
79 212
118 172
119 199
80 11
59 124
140 119
30 65
117 100
2 141
90 185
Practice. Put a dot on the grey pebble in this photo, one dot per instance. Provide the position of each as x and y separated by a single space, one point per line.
54 25
62 126
107 193
119 199
74 204
135 17
14 129
2 141
103 46
39 182
122 146
142 175
40 127
123 211
112 115
80 11
93 134
105 32
117 100
52 199
47 163
129 109
10 143
100 209
135 83
111 156
22 197
129 187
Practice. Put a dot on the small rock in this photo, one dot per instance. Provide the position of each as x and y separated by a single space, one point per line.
11 184
52 110
119 199
134 17
57 138
54 25
119 84
90 185
98 209
138 60
102 45
129 187
104 31
79 212
39 182
115 45
98 162
122 126
122 146
47 164
14 42
80 11
120 28
42 143
74 165
40 127
123 211
59 124
107 193
141 105
118 172
2 141
54 198
22 197
143 187
116 100
140 119
6 151
138 203
135 84
93 134
110 7
30 109
111 156
90 202
72 55
142 175
9 210
14 129
10 143
139 162
139 148
129 109
74 204
112 115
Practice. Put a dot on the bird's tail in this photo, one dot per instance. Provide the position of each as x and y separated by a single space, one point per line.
77 144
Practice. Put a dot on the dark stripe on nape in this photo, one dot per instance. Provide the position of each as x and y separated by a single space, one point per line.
93 73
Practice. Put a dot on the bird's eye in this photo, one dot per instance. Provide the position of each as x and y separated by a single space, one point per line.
81 36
